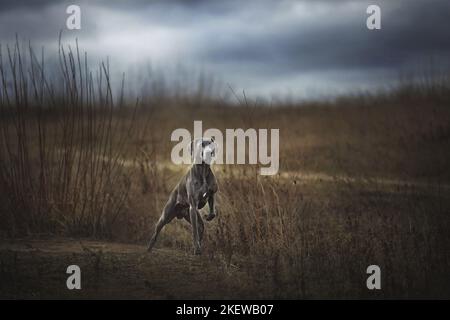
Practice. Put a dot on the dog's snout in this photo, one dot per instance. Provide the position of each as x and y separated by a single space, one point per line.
208 153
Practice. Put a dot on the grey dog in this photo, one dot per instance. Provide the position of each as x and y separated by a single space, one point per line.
196 188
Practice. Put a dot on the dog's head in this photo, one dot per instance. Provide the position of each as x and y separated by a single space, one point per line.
203 150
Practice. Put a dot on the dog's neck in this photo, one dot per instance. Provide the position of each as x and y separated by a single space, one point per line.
202 168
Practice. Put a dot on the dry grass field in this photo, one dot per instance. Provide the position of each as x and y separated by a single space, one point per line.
363 180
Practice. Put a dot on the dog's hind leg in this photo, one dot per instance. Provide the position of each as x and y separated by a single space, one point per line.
201 226
167 216
194 216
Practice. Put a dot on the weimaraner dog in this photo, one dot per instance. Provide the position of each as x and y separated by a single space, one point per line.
196 188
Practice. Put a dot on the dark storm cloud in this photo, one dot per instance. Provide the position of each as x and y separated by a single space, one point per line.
416 30
262 45
15 4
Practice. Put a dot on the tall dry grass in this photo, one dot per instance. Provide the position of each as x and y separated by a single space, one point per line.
62 145
362 181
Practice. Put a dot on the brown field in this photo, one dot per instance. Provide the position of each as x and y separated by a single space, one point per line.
84 176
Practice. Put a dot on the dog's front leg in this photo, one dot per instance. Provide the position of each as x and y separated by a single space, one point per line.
193 213
212 210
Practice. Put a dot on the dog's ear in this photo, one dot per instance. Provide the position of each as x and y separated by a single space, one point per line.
212 139
193 145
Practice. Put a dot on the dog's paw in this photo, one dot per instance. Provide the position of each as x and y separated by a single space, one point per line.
210 216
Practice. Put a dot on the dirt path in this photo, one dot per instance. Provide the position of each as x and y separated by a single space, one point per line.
37 269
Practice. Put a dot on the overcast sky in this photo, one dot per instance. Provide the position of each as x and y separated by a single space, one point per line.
297 48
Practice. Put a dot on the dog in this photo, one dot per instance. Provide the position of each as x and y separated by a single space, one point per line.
194 190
